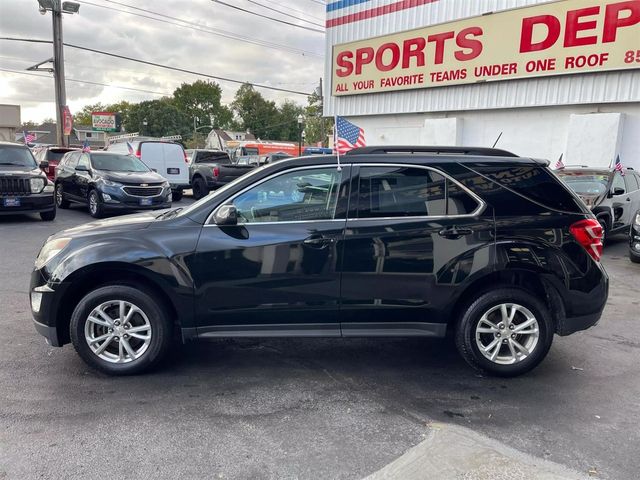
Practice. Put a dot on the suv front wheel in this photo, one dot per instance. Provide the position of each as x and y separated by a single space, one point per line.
505 332
120 330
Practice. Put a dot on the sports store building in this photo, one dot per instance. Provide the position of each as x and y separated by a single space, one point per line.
548 78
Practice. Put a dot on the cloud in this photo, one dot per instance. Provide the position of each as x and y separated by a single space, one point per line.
159 42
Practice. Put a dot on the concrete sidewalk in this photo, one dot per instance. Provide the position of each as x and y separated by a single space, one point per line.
455 453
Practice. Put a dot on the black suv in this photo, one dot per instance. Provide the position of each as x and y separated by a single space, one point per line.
390 242
612 197
108 181
24 188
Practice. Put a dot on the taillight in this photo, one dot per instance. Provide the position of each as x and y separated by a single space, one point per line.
139 152
216 172
186 159
588 233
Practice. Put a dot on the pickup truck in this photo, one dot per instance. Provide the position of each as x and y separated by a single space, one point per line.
211 169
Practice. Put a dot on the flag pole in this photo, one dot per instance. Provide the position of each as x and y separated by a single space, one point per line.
335 140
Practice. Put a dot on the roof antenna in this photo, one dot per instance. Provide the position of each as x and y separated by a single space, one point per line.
497 140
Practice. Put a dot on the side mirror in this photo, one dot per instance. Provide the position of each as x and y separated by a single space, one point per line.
82 168
44 165
226 215
618 191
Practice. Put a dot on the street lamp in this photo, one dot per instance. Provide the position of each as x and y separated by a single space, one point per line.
300 123
57 8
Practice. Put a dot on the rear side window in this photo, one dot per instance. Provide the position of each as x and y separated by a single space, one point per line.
535 183
410 192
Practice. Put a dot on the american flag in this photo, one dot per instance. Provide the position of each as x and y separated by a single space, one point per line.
560 163
349 136
619 167
28 137
85 147
130 148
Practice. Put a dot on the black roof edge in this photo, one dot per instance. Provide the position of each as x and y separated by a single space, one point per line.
480 151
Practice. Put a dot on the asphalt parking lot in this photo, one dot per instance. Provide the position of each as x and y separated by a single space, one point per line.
304 408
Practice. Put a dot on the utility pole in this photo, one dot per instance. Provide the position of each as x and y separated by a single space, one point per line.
322 135
58 72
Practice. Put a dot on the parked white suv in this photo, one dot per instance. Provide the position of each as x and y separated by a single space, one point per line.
166 158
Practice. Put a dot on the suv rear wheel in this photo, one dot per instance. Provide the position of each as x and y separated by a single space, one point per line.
120 330
505 332
199 188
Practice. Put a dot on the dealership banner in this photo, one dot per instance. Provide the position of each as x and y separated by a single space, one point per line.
556 38
105 121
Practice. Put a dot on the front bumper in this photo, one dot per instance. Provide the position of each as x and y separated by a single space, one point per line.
34 203
115 198
45 305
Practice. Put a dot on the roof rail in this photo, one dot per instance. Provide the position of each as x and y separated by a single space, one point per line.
482 151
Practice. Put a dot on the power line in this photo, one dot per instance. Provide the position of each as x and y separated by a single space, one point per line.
285 13
267 17
194 26
84 81
321 19
159 65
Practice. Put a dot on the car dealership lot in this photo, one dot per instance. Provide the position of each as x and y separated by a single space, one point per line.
303 408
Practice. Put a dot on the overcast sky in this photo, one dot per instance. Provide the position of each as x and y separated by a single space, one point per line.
144 38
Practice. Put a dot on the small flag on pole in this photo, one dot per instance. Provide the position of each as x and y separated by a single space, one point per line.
619 167
85 147
28 137
349 136
130 148
560 163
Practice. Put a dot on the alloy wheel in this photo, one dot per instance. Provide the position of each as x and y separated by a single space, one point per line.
507 334
59 195
118 331
93 203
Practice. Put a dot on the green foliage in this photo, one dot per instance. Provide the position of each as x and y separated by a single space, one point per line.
254 113
202 100
162 116
317 128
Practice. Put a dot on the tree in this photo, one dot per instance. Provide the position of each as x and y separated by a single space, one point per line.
162 116
316 127
83 117
287 127
254 112
202 100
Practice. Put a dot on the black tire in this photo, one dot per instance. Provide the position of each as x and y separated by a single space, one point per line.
176 195
161 329
49 216
61 202
200 188
465 336
633 257
96 211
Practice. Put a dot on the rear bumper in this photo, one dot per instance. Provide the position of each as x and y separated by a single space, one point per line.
29 204
576 324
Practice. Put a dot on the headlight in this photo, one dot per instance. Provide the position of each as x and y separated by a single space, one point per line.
109 183
166 184
37 184
637 220
50 250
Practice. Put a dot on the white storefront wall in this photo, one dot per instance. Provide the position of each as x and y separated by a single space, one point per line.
590 118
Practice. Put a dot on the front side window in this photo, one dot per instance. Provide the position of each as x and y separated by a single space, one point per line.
300 195
630 180
72 161
84 161
410 192
618 184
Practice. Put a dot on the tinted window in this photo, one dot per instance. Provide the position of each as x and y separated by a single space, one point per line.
84 161
535 183
118 163
221 158
16 156
55 154
586 183
459 202
401 192
630 180
310 194
618 183
72 161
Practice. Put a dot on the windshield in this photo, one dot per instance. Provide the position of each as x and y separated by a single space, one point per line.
16 156
118 163
587 184
213 197
57 154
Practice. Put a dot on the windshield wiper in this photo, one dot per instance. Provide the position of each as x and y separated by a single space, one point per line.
14 164
169 214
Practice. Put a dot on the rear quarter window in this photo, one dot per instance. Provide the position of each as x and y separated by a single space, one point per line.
535 183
